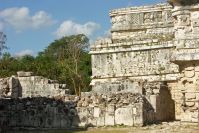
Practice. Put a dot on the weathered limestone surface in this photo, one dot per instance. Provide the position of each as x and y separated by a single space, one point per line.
111 109
27 85
37 113
91 109
148 71
140 47
72 111
155 44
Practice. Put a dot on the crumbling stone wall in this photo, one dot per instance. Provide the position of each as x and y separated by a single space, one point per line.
146 72
149 105
37 113
157 43
140 47
111 109
90 109
186 92
28 85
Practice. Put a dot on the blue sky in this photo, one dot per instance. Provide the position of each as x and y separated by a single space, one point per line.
30 25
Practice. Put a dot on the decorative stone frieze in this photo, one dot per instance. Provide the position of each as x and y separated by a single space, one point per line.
155 44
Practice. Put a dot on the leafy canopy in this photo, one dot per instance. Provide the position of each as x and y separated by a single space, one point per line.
66 60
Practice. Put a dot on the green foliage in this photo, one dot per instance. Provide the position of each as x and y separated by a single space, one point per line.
66 60
2 42
183 2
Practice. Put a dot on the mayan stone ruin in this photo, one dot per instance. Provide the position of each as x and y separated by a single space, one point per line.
156 44
147 72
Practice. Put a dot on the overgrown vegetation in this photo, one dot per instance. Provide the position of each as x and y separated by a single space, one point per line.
66 60
183 2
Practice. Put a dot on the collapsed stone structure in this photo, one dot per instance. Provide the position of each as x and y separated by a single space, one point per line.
157 44
25 84
148 71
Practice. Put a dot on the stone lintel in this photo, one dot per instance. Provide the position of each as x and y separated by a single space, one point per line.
131 49
142 27
185 55
139 9
149 78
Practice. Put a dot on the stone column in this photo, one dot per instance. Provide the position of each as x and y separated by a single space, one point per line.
153 100
186 23
182 26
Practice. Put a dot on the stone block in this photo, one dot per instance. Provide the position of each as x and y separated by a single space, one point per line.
186 117
189 74
124 116
197 68
190 96
153 101
190 104
24 74
109 120
65 122
134 111
96 112
194 117
110 109
197 96
100 121
191 68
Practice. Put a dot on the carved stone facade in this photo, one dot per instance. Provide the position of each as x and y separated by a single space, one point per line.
148 71
155 44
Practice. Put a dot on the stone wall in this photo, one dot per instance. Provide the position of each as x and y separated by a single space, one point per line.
140 47
146 72
37 113
134 63
28 85
159 97
186 92
111 109
90 109
27 109
158 44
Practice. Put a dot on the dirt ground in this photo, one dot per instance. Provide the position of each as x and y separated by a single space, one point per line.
171 127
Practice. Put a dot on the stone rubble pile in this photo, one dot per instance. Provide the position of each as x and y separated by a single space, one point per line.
73 111
102 100
4 85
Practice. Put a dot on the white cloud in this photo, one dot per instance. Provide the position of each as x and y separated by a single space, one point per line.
20 18
1 26
69 28
23 53
107 34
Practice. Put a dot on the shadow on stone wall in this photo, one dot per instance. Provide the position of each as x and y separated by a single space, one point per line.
165 105
91 109
159 105
38 113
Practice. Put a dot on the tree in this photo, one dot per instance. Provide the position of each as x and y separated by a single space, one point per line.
183 2
66 60
2 42
72 63
73 60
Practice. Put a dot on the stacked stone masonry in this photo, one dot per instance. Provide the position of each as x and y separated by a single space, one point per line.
54 110
148 71
155 44
25 84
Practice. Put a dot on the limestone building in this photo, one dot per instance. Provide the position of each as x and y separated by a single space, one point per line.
147 72
154 45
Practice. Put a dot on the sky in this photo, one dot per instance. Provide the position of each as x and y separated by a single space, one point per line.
31 25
